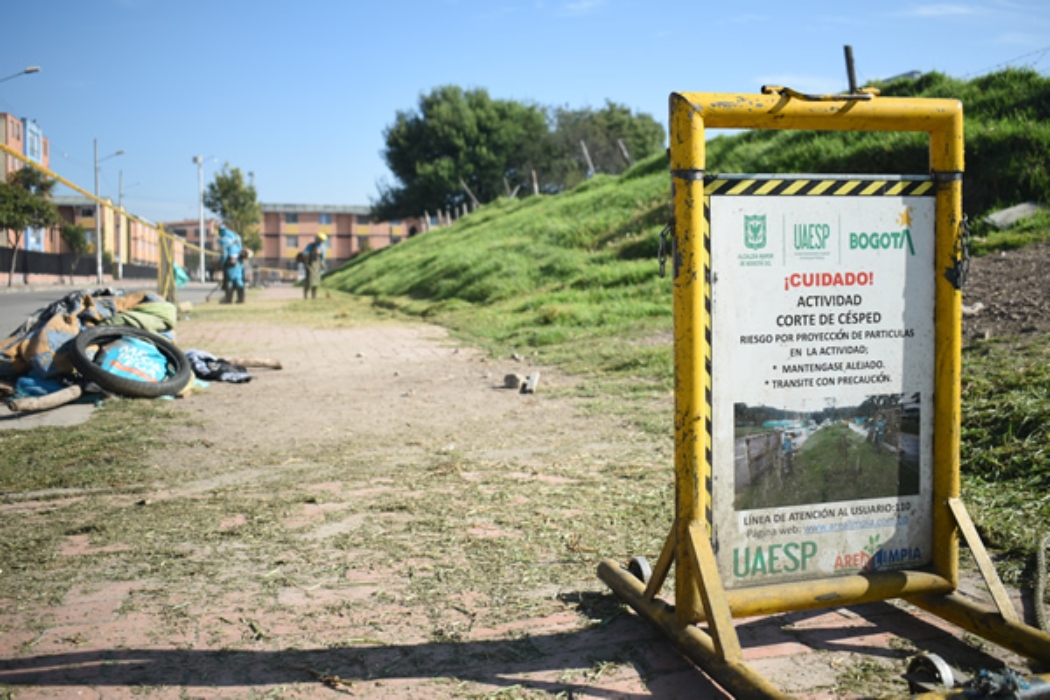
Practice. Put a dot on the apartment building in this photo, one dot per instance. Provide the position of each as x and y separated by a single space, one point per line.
287 228
26 137
126 241
189 230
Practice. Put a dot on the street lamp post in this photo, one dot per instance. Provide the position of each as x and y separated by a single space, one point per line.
203 239
98 213
24 71
118 248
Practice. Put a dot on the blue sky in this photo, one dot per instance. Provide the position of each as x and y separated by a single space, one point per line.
299 93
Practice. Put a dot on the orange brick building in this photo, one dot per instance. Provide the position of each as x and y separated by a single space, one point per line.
125 240
26 137
287 228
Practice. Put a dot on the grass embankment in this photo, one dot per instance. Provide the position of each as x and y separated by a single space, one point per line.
572 279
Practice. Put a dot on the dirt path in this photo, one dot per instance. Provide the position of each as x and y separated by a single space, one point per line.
347 524
381 518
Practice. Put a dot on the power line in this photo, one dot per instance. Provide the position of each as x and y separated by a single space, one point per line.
1006 64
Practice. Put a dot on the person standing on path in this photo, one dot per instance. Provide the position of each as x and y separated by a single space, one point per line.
232 265
313 259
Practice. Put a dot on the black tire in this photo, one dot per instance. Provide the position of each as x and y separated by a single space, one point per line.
171 385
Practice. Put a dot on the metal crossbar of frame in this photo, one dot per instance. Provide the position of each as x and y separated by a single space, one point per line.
864 265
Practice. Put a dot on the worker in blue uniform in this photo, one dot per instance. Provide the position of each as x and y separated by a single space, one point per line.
231 259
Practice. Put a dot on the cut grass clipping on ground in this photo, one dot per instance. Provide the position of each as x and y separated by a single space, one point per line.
110 453
504 548
1006 447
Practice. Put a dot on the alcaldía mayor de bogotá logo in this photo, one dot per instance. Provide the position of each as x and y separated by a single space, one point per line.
755 231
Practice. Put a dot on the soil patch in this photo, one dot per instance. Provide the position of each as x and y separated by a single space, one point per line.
1007 294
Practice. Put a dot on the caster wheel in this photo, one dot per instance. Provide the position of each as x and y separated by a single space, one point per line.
927 671
640 569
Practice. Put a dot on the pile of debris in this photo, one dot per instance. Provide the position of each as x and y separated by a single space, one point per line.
108 343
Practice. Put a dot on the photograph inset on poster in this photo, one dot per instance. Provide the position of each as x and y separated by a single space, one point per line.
822 380
787 457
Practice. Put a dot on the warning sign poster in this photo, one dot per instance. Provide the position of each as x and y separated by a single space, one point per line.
822 379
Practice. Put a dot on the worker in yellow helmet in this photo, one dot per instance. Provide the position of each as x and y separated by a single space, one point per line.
313 258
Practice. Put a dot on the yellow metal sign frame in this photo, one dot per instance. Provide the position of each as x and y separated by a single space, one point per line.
699 593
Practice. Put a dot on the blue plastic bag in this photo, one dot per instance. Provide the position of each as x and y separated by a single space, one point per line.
135 359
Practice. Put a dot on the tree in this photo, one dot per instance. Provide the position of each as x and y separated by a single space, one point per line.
25 203
75 238
464 137
234 202
458 136
602 131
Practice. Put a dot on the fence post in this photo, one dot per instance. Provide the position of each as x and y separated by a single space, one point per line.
166 267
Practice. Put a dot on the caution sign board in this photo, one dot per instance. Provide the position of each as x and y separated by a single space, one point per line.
822 323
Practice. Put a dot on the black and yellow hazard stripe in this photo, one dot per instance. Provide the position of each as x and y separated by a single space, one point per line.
812 187
708 464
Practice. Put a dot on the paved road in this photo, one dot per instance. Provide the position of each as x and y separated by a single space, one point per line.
19 303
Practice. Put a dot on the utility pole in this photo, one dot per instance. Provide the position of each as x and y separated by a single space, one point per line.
119 247
202 238
98 225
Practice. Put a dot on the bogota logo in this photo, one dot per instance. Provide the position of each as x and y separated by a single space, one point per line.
904 218
755 231
887 240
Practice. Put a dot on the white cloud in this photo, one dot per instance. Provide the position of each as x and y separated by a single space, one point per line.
1019 39
942 10
746 19
575 8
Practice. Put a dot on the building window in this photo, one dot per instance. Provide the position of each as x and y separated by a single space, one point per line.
32 146
364 219
87 212
291 218
293 241
324 218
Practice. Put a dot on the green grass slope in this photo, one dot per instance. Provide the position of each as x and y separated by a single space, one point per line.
554 274
580 267
1006 130
573 279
